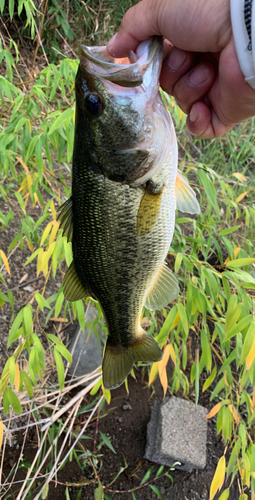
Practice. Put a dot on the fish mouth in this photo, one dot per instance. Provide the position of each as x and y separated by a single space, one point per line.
128 71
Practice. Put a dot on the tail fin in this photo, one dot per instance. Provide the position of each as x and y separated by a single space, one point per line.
118 360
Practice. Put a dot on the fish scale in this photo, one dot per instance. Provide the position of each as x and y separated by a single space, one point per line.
121 229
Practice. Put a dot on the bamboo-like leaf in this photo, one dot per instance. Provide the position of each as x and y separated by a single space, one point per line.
14 401
163 380
1 433
224 495
234 264
17 377
60 368
242 196
153 372
107 442
6 263
107 395
214 410
12 370
234 413
239 176
156 490
146 476
184 318
210 379
65 353
239 327
218 478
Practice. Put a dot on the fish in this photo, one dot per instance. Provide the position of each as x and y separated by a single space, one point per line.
125 190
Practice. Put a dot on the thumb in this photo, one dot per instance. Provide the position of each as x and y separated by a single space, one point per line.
195 25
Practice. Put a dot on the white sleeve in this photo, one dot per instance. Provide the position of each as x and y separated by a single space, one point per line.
243 26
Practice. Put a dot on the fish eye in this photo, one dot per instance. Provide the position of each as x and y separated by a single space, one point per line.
94 103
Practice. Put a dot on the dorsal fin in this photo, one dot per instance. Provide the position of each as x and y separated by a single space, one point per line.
66 218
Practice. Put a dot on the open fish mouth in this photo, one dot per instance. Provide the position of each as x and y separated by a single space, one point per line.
128 71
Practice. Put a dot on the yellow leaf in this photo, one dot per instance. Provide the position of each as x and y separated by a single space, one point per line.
59 320
218 478
53 210
153 372
235 414
176 321
23 164
1 433
214 410
46 232
6 263
241 196
172 353
107 394
17 377
162 364
249 359
53 232
163 380
236 251
239 176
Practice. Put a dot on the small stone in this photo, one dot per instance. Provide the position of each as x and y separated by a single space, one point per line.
28 288
162 490
127 406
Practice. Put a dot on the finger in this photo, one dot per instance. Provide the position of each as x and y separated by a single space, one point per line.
188 25
194 85
174 67
203 122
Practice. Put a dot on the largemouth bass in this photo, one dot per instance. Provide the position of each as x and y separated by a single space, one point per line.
125 189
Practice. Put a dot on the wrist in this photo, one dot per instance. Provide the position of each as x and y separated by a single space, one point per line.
243 26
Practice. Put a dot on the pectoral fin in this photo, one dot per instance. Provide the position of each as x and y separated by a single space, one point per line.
164 289
73 288
186 200
66 218
118 360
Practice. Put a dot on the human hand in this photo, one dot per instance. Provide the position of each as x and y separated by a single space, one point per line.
200 68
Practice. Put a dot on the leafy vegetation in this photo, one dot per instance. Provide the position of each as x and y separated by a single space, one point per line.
212 255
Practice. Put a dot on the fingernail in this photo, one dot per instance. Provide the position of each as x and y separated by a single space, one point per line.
193 116
111 41
199 75
176 59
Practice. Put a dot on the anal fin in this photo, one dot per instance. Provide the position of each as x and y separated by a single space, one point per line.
118 360
73 288
186 200
66 218
164 289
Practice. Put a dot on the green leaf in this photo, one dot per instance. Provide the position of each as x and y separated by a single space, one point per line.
28 319
62 118
156 490
228 230
26 381
210 379
14 401
206 349
184 318
60 368
107 442
65 353
99 492
160 470
12 370
239 327
209 188
6 403
233 264
41 301
15 327
146 476
166 326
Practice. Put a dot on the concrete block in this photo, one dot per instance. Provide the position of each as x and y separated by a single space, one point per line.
177 431
88 351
